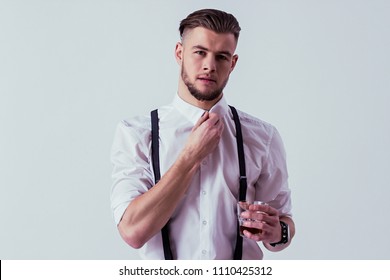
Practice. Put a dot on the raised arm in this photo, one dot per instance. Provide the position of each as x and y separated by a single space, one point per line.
148 213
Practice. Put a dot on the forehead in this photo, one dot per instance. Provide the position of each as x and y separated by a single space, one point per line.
209 39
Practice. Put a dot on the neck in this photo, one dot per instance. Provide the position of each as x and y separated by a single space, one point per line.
185 94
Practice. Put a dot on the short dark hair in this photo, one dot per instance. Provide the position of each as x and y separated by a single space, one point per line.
215 20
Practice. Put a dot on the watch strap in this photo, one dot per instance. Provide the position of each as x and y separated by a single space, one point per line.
285 235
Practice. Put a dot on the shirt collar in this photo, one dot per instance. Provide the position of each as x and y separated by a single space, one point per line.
193 113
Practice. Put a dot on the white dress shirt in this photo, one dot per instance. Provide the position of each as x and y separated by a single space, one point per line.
203 225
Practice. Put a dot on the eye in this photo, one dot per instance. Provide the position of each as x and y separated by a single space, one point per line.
200 52
222 57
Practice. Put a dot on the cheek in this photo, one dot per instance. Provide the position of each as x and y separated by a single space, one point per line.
225 70
191 65
194 62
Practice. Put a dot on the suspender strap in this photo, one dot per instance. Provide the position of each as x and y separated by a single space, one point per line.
243 181
241 155
155 146
157 176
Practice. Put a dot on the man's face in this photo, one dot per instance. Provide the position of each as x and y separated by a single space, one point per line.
207 59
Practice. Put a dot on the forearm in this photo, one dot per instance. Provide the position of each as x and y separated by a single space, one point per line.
147 214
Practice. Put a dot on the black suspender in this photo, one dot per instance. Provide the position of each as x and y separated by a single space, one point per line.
243 181
157 176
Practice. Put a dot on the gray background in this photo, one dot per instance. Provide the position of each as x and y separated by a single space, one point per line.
71 70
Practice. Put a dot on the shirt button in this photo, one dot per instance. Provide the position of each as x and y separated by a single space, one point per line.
204 192
204 223
204 162
204 252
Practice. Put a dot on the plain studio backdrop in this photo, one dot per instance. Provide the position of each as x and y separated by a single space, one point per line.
71 70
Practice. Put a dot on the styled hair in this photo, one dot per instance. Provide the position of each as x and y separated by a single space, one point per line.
214 20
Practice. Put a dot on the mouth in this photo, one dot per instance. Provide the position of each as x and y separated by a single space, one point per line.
207 80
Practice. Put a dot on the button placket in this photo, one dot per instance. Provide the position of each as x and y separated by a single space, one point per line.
203 212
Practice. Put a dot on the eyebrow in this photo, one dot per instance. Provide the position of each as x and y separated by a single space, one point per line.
206 49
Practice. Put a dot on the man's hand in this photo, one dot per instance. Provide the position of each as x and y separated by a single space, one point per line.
266 219
204 136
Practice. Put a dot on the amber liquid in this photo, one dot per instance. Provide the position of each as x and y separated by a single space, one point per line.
251 230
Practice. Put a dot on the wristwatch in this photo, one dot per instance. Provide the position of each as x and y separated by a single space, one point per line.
285 235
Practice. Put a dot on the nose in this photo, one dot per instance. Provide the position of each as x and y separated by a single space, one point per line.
209 63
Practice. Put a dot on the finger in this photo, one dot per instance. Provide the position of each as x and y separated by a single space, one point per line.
254 236
221 128
214 119
254 215
264 208
259 225
260 216
259 219
216 122
201 120
262 233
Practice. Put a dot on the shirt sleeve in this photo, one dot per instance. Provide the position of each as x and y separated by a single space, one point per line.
131 173
272 185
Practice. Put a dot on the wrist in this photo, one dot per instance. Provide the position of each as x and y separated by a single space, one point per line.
285 235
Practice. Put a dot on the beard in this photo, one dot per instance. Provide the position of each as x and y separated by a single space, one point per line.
199 95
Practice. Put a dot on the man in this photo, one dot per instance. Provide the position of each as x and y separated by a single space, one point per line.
198 191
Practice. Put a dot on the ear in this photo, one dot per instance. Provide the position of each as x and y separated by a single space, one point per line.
234 61
179 53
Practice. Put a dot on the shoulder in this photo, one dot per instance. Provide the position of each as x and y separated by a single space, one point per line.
255 124
133 129
137 123
141 125
260 134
